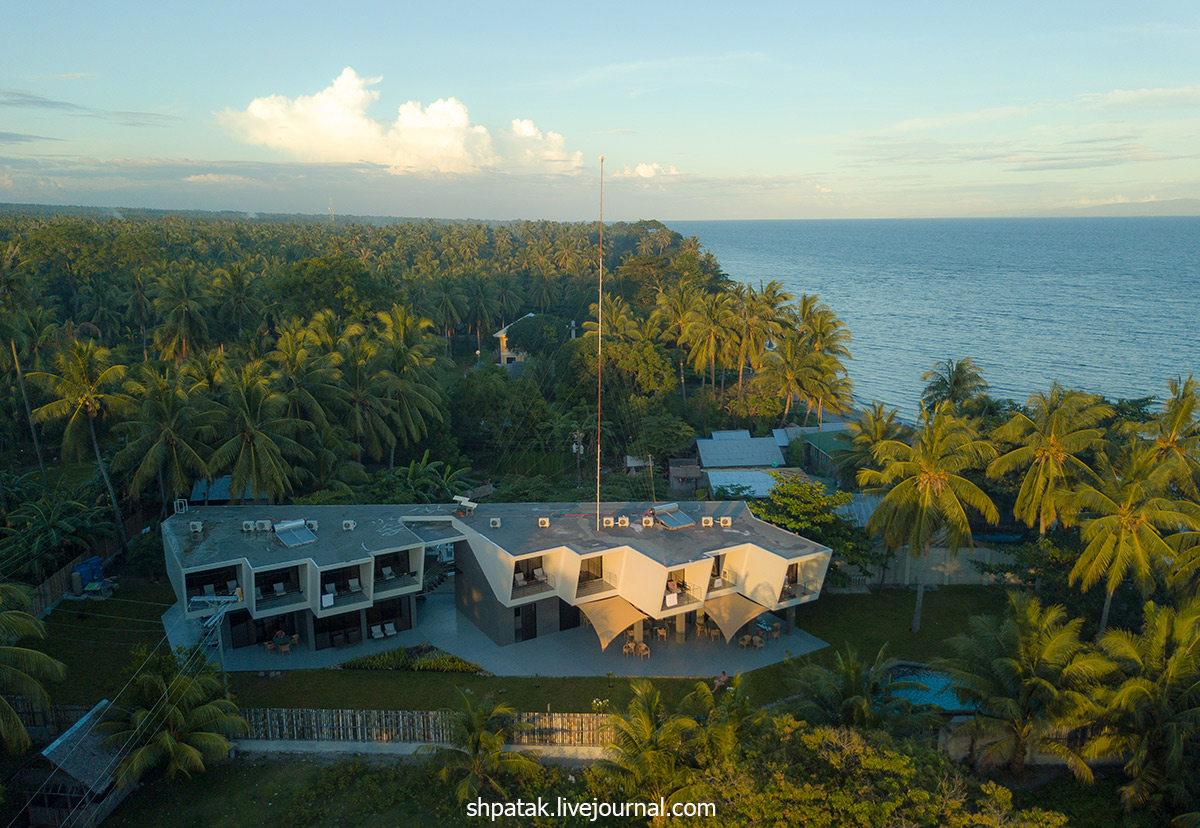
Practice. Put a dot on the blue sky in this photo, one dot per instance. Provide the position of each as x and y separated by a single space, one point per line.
703 111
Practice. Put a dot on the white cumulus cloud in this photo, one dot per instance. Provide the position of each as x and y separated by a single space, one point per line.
654 170
334 125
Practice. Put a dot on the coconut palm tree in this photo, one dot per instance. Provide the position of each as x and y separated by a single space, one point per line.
924 490
85 389
1059 427
795 371
725 720
369 391
759 322
647 755
477 754
258 438
852 693
305 375
44 532
874 425
708 327
619 320
167 431
236 295
177 721
15 296
181 303
480 305
1153 714
1175 434
953 381
1127 520
23 672
333 467
1030 680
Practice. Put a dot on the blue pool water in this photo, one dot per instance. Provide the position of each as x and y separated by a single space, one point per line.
940 694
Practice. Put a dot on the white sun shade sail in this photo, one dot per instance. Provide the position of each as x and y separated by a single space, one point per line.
732 612
610 617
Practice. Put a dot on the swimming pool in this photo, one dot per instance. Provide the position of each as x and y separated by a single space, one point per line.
940 692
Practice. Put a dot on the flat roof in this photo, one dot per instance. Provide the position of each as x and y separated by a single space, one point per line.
381 528
222 541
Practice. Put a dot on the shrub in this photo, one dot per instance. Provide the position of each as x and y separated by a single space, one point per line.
397 659
441 662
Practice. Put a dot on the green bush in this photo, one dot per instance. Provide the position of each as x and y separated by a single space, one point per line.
440 662
397 659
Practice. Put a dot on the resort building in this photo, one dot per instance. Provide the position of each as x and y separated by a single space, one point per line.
325 576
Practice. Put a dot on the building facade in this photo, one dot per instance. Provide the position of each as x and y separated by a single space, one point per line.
327 576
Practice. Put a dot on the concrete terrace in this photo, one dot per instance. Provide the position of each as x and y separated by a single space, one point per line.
574 652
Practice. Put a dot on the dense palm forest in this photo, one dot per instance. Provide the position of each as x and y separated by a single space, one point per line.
313 360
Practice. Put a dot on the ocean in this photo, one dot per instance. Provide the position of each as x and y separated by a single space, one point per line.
1108 305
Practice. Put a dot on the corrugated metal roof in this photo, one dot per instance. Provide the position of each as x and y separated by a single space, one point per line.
733 434
78 752
756 483
747 452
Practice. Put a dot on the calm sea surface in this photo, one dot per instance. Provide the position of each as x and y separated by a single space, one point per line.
1110 305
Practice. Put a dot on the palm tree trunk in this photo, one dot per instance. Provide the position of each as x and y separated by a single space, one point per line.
1104 615
682 386
112 495
37 446
916 620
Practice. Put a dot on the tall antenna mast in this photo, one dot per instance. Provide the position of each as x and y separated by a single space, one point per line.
599 343
331 208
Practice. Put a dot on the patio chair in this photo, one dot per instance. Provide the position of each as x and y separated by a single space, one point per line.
377 631
661 632
714 633
210 590
643 650
758 642
629 634
519 579
539 575
269 646
672 600
285 648
717 583
258 594
389 629
331 589
775 633
231 587
388 574
628 648
355 586
744 641
295 639
280 589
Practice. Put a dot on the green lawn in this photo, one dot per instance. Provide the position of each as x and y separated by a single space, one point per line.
95 639
864 621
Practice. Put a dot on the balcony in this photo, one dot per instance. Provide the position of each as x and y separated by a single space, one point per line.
335 594
277 600
681 596
791 592
592 586
536 586
726 580
397 580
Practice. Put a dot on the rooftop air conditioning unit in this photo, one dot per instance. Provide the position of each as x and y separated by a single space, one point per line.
543 523
311 525
494 523
196 526
647 522
726 522
181 506
247 526
608 523
262 526
706 522
623 522
348 525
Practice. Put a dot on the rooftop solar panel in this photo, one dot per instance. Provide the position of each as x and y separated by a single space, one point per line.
295 536
675 520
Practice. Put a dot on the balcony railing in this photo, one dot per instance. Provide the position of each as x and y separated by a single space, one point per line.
592 586
683 595
723 581
534 587
398 581
342 597
800 589
272 600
